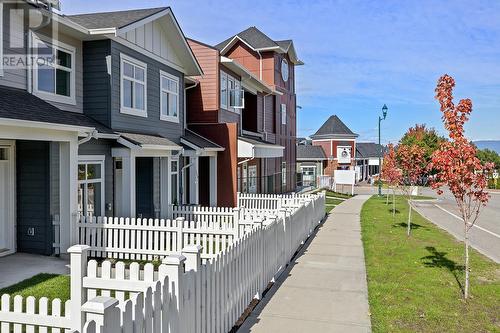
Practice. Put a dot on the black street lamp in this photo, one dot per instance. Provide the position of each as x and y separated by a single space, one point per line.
384 113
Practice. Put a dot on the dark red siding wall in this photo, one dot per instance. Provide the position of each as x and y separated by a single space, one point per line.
203 101
225 135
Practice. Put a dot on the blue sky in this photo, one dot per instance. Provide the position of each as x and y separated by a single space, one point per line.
362 54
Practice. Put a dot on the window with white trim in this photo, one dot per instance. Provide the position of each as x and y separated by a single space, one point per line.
232 96
283 114
283 173
91 186
169 92
53 71
133 86
223 90
174 182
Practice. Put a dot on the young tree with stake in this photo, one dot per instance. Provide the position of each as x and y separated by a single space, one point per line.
412 162
457 166
391 173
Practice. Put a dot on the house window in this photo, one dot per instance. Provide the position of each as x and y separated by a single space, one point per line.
91 186
252 179
237 96
283 114
133 86
53 71
232 97
174 182
283 173
223 89
169 97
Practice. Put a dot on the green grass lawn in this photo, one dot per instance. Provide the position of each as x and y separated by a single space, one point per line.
415 283
41 285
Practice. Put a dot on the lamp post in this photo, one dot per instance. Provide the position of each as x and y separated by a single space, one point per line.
384 114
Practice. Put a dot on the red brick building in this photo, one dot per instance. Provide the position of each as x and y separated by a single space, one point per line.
339 144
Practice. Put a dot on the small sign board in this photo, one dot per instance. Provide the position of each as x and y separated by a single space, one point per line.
495 175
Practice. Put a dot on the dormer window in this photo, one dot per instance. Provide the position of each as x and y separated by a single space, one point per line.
53 71
133 85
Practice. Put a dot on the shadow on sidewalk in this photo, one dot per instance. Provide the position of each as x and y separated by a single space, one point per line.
252 318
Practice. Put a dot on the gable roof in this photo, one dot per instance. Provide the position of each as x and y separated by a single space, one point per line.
259 41
368 149
118 23
308 153
18 104
333 126
119 19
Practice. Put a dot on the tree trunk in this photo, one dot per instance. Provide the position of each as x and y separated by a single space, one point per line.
409 217
387 198
466 241
393 202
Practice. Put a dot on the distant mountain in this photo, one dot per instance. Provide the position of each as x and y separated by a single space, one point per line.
489 144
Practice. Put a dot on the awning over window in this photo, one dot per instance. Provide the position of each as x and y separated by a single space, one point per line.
254 148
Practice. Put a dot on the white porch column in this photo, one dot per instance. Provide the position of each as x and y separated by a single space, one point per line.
128 186
68 189
213 181
193 181
165 188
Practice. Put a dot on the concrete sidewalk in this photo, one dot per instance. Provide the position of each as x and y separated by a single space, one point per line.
20 266
325 289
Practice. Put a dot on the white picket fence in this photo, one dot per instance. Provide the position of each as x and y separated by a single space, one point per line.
192 290
152 239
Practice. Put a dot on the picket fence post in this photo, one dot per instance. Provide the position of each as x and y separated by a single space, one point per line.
192 255
260 258
105 312
180 240
173 267
236 222
78 266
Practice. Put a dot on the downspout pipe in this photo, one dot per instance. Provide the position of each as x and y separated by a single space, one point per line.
91 135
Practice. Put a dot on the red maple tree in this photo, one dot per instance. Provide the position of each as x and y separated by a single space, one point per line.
391 173
412 163
457 166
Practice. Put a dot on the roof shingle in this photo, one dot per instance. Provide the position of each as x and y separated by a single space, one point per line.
334 126
118 19
308 152
21 105
253 36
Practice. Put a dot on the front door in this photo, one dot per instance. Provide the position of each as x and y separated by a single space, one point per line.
7 225
144 187
34 226
204 181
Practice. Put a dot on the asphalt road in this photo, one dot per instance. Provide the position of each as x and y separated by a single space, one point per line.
484 236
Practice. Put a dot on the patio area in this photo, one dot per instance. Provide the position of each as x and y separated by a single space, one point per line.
20 266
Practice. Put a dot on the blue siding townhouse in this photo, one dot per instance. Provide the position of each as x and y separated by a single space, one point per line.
92 121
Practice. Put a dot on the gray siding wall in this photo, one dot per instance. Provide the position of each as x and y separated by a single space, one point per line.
96 81
152 124
18 77
102 147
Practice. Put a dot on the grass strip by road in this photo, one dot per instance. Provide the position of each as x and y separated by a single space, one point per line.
415 283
